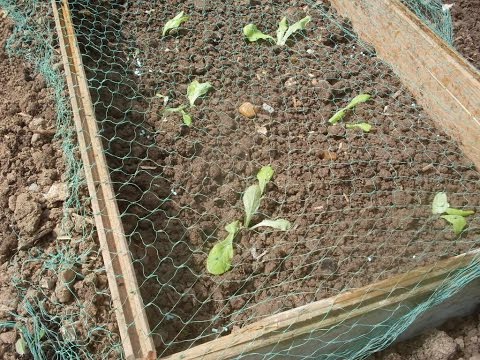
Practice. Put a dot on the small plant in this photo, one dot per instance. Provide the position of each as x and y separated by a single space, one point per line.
175 22
220 256
340 114
194 91
284 31
365 127
455 217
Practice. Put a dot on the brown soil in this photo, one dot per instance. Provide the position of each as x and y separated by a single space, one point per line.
33 188
359 215
466 27
457 339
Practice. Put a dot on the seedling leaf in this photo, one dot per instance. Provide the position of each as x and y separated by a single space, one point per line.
364 126
299 25
358 100
220 257
458 222
264 176
252 33
175 22
21 346
279 224
187 119
174 110
196 89
339 115
440 203
282 29
251 202
451 211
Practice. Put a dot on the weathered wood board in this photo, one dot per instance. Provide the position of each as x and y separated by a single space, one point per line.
130 313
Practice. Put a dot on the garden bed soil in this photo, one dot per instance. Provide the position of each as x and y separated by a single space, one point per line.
466 29
32 192
457 339
360 203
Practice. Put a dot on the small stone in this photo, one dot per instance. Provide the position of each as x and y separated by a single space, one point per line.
35 138
268 108
8 337
63 293
33 187
11 202
290 82
48 283
310 51
36 123
247 109
56 192
261 130
328 155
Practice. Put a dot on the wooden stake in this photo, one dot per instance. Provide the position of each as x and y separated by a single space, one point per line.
130 312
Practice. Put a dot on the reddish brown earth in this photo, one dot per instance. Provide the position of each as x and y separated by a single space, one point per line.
466 29
33 189
457 339
359 215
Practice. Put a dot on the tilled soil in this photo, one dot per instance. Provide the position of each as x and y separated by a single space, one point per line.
457 339
58 283
466 29
360 203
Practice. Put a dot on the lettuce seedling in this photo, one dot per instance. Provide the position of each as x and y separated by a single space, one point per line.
365 127
340 114
187 119
196 89
221 255
455 217
284 31
175 22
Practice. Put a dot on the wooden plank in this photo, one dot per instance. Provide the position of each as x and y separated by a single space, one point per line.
442 81
130 313
329 325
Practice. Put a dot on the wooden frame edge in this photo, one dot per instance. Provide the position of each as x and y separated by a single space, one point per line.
325 314
128 305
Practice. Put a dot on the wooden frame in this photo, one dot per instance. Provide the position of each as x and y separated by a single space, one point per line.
130 312
448 88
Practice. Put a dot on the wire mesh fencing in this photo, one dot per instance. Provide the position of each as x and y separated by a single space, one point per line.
194 98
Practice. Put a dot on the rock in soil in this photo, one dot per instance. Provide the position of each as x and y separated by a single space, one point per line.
248 110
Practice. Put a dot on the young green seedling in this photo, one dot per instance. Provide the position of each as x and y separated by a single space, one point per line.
175 22
220 256
340 114
194 91
365 127
455 217
284 31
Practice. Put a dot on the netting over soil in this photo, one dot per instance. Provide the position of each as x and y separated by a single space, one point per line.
359 202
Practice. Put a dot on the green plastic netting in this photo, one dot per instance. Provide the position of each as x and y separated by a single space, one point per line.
359 202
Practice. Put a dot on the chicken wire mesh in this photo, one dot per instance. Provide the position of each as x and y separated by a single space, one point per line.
359 202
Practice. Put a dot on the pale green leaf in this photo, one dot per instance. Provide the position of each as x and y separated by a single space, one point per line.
458 222
299 25
174 23
187 119
358 100
282 28
21 346
251 202
174 110
264 176
279 224
440 203
196 89
364 126
220 256
339 115
451 211
252 33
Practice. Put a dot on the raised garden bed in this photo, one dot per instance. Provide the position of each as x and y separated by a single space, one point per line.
359 202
